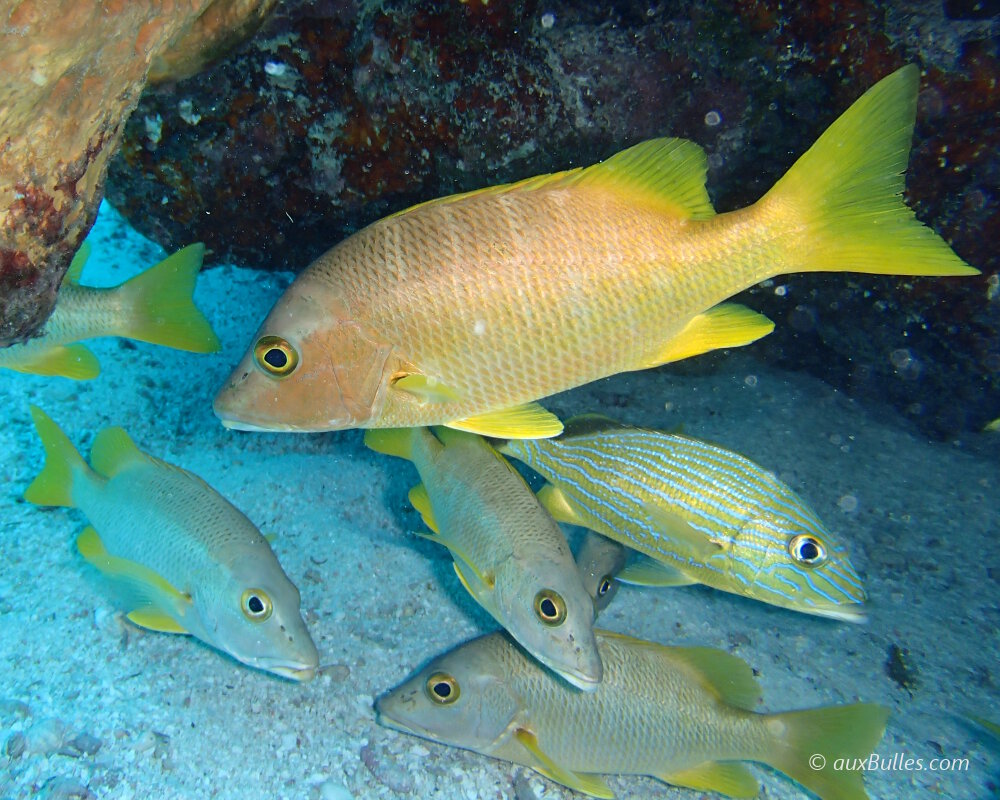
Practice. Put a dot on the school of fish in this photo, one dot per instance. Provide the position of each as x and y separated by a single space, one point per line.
446 323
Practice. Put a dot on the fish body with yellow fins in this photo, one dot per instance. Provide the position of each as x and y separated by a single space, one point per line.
681 714
509 553
464 311
154 306
183 558
699 512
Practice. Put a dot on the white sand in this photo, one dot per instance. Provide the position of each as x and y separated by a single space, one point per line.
176 719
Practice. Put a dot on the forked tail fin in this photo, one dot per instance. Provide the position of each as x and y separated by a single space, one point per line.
846 192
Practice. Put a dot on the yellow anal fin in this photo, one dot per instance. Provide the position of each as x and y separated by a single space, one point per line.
142 587
72 361
421 501
733 780
528 421
726 325
558 505
426 388
641 570
592 785
688 541
155 620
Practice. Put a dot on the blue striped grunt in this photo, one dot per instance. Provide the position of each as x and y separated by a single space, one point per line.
701 513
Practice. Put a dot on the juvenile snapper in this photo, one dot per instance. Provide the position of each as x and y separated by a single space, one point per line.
703 514
509 553
183 557
154 306
680 714
464 310
600 560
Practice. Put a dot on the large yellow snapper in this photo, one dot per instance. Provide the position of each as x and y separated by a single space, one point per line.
464 310
183 557
702 513
509 552
681 714
154 306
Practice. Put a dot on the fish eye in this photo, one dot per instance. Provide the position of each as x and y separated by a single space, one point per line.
550 607
275 356
807 550
604 586
442 688
256 605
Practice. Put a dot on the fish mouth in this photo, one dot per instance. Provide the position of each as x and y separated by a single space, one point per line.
856 613
302 673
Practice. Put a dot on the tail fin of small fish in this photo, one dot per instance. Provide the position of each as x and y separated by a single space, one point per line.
162 311
391 441
824 748
847 191
63 463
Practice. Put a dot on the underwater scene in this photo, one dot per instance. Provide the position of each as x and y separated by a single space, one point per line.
500 400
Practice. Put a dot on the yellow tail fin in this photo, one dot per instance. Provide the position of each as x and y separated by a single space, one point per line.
54 484
823 748
847 193
161 308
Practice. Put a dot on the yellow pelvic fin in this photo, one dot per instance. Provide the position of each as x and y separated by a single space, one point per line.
72 361
558 505
161 309
593 785
421 501
733 780
155 620
528 421
391 441
141 587
846 193
642 570
427 389
75 271
840 733
725 325
689 542
54 484
113 449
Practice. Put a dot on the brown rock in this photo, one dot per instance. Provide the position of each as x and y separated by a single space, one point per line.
71 72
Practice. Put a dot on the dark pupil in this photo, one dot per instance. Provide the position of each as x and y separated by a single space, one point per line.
255 605
276 358
808 551
548 608
442 690
604 588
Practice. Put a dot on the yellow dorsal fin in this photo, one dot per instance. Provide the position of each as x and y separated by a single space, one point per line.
72 361
558 505
732 780
72 276
528 421
641 570
421 501
427 388
155 620
114 449
726 325
593 785
142 588
664 173
727 676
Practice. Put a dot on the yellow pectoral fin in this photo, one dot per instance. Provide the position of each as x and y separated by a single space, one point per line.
729 779
142 587
75 271
688 542
726 325
72 361
421 501
427 389
528 421
645 571
556 503
593 785
155 620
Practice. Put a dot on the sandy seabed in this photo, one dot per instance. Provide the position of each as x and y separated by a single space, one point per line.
91 706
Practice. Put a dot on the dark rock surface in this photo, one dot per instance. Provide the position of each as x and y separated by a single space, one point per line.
340 112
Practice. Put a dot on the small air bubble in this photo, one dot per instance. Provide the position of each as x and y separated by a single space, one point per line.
781 291
848 503
713 118
750 380
548 20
